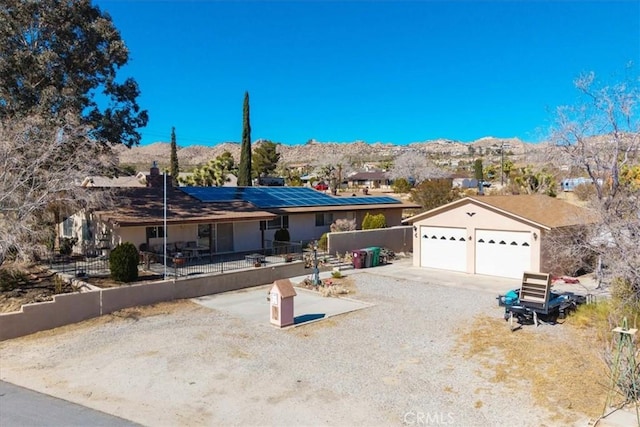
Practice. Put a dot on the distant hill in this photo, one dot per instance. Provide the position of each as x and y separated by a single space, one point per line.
314 151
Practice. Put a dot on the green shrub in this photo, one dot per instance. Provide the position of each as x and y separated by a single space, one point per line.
336 274
401 186
371 222
279 238
123 263
282 235
322 243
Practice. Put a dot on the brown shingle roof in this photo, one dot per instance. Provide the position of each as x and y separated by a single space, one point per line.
548 211
145 206
545 211
370 176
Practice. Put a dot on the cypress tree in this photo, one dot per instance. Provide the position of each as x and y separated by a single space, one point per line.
244 169
477 168
174 169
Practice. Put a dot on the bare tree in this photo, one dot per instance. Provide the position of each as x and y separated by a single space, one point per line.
41 169
601 137
411 165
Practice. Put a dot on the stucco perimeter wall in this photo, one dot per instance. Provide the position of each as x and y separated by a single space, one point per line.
63 310
72 308
398 239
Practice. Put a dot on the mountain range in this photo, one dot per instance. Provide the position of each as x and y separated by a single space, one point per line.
313 151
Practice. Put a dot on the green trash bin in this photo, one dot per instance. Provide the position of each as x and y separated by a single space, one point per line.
374 253
369 258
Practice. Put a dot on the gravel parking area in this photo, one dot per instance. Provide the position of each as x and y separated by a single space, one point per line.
395 363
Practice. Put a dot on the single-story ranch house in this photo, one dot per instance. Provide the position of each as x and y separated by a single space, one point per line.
494 235
219 219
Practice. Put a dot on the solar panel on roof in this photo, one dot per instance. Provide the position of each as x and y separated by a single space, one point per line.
279 197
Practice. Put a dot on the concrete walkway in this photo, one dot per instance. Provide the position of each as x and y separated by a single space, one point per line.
252 304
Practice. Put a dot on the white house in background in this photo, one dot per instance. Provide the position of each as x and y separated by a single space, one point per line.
494 235
464 183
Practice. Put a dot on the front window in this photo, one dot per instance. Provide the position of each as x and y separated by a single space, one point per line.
155 232
324 219
67 227
276 223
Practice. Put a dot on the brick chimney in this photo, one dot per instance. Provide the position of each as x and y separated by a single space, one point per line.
155 179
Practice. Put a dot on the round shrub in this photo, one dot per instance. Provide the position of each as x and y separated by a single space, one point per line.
123 263
280 238
371 222
282 235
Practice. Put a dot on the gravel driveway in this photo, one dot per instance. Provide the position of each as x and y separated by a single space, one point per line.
395 363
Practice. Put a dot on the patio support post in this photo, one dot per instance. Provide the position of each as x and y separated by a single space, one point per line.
164 228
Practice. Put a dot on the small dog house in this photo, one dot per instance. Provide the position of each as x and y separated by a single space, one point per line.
281 302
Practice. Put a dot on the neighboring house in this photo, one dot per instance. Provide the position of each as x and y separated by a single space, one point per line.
221 219
374 179
494 235
271 181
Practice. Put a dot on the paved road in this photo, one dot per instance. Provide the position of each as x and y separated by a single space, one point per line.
23 407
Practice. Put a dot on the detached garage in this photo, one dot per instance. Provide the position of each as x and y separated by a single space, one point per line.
492 235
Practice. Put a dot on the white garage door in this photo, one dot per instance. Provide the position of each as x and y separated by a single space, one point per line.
443 248
503 253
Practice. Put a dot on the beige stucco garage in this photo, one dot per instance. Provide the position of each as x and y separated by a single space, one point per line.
492 235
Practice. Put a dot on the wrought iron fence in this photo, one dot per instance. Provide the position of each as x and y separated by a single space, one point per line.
183 264
79 266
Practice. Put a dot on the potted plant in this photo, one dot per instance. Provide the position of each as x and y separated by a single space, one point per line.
179 260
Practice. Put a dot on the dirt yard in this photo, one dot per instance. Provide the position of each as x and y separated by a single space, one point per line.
25 284
415 352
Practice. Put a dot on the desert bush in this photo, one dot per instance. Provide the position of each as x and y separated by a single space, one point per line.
67 244
322 242
343 225
584 192
123 263
433 193
626 296
401 186
11 279
371 222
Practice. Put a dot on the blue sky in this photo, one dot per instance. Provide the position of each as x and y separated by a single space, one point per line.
377 71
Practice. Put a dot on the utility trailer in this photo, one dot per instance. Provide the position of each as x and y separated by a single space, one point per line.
534 302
